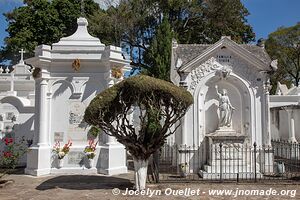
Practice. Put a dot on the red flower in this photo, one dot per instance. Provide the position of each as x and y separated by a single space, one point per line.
7 154
8 141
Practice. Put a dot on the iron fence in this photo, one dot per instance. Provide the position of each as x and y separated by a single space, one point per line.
229 161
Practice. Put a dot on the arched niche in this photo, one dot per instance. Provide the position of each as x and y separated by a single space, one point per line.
206 104
17 118
21 104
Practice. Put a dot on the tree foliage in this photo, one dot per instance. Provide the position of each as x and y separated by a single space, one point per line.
284 45
137 25
158 55
159 105
41 22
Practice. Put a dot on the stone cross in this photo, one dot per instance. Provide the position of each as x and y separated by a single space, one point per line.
22 55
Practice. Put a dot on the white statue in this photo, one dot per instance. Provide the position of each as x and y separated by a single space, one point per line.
225 109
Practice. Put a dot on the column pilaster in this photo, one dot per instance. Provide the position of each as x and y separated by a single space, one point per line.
109 164
39 154
292 137
43 111
183 84
267 137
110 139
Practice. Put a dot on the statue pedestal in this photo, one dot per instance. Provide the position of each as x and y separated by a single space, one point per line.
231 141
226 134
229 156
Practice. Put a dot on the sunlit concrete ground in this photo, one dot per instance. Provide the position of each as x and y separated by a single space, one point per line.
101 187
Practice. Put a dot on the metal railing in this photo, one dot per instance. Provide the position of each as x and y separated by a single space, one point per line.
226 161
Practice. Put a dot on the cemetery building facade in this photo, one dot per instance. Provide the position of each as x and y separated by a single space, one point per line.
230 85
67 75
45 103
285 113
17 103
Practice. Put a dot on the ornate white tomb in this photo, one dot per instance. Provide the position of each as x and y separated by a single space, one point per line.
17 103
285 113
68 75
237 113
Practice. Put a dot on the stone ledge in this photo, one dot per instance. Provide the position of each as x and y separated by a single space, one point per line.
66 171
241 175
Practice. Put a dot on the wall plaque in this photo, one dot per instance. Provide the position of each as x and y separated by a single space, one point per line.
75 158
77 127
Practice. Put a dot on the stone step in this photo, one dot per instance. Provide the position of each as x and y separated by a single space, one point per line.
227 169
226 176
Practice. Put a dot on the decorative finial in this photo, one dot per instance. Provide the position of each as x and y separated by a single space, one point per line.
82 8
22 56
7 70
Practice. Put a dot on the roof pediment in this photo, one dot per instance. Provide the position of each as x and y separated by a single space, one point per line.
200 53
81 40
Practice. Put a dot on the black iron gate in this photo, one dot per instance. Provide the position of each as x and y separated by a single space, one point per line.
223 161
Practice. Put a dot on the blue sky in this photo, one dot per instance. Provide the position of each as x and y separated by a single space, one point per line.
265 15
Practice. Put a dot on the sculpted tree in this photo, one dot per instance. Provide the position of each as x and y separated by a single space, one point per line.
284 45
158 105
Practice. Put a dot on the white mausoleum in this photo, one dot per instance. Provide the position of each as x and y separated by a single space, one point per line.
17 103
285 113
230 86
68 75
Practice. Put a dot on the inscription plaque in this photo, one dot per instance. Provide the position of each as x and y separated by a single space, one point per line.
75 158
77 127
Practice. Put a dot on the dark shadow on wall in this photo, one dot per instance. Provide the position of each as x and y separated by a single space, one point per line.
85 182
93 85
64 85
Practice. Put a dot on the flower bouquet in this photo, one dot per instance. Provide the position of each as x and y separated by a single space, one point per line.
61 152
90 150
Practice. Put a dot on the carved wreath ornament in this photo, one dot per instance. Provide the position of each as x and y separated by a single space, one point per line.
76 65
116 72
223 72
198 73
37 72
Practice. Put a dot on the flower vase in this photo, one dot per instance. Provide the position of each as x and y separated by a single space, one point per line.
60 163
90 162
183 170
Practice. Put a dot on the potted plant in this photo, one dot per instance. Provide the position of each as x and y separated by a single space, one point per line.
90 152
183 169
61 152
